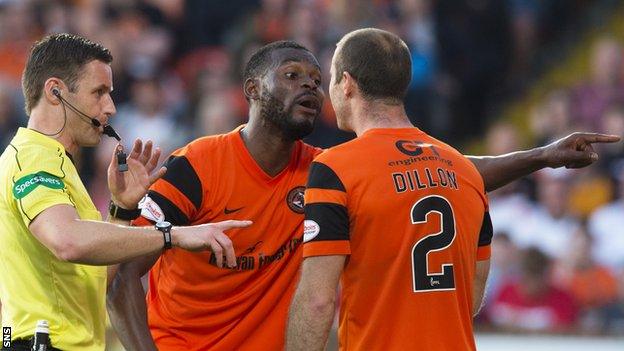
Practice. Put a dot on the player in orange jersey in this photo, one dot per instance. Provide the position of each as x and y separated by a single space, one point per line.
256 172
400 218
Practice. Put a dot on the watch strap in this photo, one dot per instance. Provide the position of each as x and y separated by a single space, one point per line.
166 231
122 213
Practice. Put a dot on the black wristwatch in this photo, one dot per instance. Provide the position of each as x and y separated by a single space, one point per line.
165 228
122 213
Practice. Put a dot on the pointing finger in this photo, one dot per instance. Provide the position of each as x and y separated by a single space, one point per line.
599 138
230 224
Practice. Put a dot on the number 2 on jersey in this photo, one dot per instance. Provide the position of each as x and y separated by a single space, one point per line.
423 280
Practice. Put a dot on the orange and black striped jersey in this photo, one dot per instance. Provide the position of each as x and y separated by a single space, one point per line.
192 304
410 212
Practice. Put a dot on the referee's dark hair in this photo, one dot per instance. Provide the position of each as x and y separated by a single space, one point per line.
261 59
379 61
62 56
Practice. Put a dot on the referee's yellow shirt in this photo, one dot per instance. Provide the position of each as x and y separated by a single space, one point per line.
35 174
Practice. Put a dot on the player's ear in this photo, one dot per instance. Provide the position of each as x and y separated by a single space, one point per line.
350 85
251 89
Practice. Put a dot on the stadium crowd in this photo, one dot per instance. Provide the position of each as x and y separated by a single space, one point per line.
558 249
557 253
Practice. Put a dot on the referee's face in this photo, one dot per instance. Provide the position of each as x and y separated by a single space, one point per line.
92 97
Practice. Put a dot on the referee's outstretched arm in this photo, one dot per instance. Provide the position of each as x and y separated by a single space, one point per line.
100 243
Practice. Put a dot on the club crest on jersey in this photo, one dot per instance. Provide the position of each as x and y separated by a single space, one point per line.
310 230
295 199
151 210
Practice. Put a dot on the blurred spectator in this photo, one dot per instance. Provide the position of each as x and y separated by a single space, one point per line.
56 17
205 22
508 203
593 286
590 189
17 35
502 138
553 118
525 30
11 116
146 117
612 155
305 26
217 113
504 263
217 104
548 225
606 225
420 35
532 303
474 49
605 86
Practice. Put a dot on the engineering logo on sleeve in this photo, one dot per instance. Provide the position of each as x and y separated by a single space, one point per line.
26 184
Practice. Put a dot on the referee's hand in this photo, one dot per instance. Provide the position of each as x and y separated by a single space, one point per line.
209 236
128 188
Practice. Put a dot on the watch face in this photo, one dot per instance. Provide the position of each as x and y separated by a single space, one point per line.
163 224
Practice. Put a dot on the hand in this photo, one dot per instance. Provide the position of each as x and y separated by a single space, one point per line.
575 150
128 188
209 236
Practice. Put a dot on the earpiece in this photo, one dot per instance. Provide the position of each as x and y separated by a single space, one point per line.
56 92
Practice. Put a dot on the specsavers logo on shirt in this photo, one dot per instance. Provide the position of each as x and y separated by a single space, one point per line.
27 184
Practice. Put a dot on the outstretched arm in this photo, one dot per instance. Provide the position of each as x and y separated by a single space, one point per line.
312 309
573 151
71 239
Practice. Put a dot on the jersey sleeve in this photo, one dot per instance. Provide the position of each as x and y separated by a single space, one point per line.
39 182
176 197
485 238
326 225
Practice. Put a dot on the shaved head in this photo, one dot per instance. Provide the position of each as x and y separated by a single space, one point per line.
378 60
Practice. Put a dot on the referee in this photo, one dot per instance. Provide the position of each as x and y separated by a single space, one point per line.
53 246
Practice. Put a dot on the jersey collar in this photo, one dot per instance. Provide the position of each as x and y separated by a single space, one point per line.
252 166
31 135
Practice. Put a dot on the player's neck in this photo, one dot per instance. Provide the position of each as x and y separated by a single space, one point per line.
267 147
368 116
42 122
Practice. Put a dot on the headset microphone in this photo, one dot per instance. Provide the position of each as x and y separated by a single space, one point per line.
56 92
108 130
